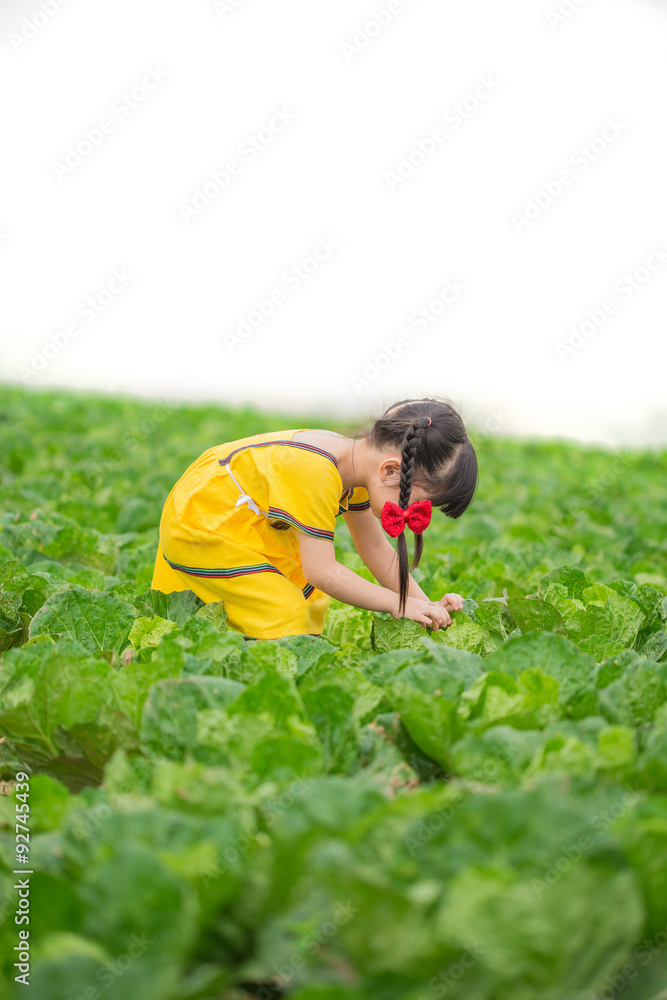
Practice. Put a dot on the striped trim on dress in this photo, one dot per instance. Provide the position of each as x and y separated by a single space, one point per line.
292 444
226 571
309 530
353 506
236 571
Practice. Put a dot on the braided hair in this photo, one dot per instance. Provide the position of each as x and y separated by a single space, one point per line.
436 455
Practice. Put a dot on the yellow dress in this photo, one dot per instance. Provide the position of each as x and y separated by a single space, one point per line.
228 531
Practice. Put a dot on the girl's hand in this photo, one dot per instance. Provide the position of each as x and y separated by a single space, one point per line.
427 613
452 602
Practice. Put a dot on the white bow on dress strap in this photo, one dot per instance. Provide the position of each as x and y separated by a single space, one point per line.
246 498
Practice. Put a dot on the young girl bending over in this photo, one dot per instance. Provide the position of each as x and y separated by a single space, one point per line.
251 522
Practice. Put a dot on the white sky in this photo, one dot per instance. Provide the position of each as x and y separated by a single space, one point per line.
337 93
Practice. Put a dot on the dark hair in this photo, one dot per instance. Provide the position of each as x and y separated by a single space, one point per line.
438 457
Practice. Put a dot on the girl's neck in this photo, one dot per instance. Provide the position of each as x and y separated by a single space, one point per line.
347 450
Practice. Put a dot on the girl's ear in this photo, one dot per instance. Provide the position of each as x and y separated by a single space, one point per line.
389 471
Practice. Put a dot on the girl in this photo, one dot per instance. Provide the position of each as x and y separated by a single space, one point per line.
251 522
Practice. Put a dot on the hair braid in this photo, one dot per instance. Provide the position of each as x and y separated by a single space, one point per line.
411 442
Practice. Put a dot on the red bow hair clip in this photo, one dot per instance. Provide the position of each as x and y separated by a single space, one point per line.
417 516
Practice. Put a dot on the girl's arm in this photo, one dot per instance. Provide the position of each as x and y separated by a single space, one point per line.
320 568
383 564
377 552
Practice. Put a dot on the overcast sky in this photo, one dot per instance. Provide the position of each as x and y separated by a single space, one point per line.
332 206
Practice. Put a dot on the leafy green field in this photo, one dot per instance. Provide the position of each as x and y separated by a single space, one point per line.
382 813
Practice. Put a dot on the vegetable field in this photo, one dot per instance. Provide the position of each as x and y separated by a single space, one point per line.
384 812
